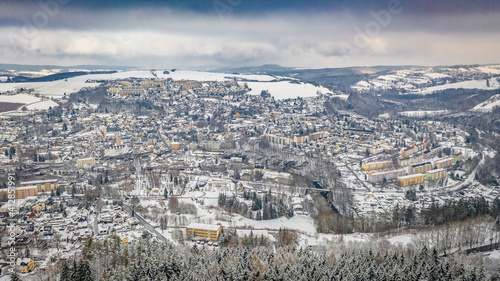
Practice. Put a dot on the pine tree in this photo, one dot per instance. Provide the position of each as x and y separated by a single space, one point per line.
84 273
65 272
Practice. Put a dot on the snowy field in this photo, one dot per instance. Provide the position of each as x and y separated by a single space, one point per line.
473 84
177 75
55 89
285 89
42 105
19 98
488 105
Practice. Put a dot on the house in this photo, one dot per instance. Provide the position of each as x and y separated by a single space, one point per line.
457 157
25 265
207 231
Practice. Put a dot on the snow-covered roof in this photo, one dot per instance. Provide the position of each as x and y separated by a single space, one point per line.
212 227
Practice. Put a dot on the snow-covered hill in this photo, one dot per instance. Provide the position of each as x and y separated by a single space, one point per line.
488 105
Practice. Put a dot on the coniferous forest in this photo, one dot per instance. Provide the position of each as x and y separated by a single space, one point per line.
150 260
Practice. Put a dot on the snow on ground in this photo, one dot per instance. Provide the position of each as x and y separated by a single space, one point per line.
298 222
51 89
434 75
176 75
495 255
488 105
285 89
404 239
211 76
473 84
19 98
420 113
342 97
489 69
42 105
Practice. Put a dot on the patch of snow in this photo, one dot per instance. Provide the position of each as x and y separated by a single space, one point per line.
52 89
488 105
42 105
285 89
176 75
436 75
19 98
473 84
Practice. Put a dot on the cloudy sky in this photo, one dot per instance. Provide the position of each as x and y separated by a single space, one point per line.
214 33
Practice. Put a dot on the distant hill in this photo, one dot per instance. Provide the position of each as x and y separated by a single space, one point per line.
25 67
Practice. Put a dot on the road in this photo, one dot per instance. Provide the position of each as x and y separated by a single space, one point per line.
466 182
146 224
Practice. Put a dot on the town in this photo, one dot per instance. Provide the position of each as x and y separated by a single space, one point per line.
201 162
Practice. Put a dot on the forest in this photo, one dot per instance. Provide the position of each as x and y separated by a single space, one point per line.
150 260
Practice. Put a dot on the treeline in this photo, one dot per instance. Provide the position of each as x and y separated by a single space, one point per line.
263 207
151 260
451 211
489 172
327 221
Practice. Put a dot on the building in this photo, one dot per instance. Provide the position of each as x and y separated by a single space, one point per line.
42 185
299 138
376 177
21 192
377 165
26 191
81 163
420 168
457 157
207 231
411 180
278 139
25 265
443 162
435 174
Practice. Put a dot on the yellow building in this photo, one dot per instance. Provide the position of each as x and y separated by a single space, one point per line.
411 180
420 168
300 139
42 185
377 165
26 265
21 192
175 145
114 90
208 231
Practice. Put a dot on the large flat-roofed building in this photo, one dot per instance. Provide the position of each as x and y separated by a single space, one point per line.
443 162
377 165
420 168
411 180
208 231
42 185
435 174
81 163
376 177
